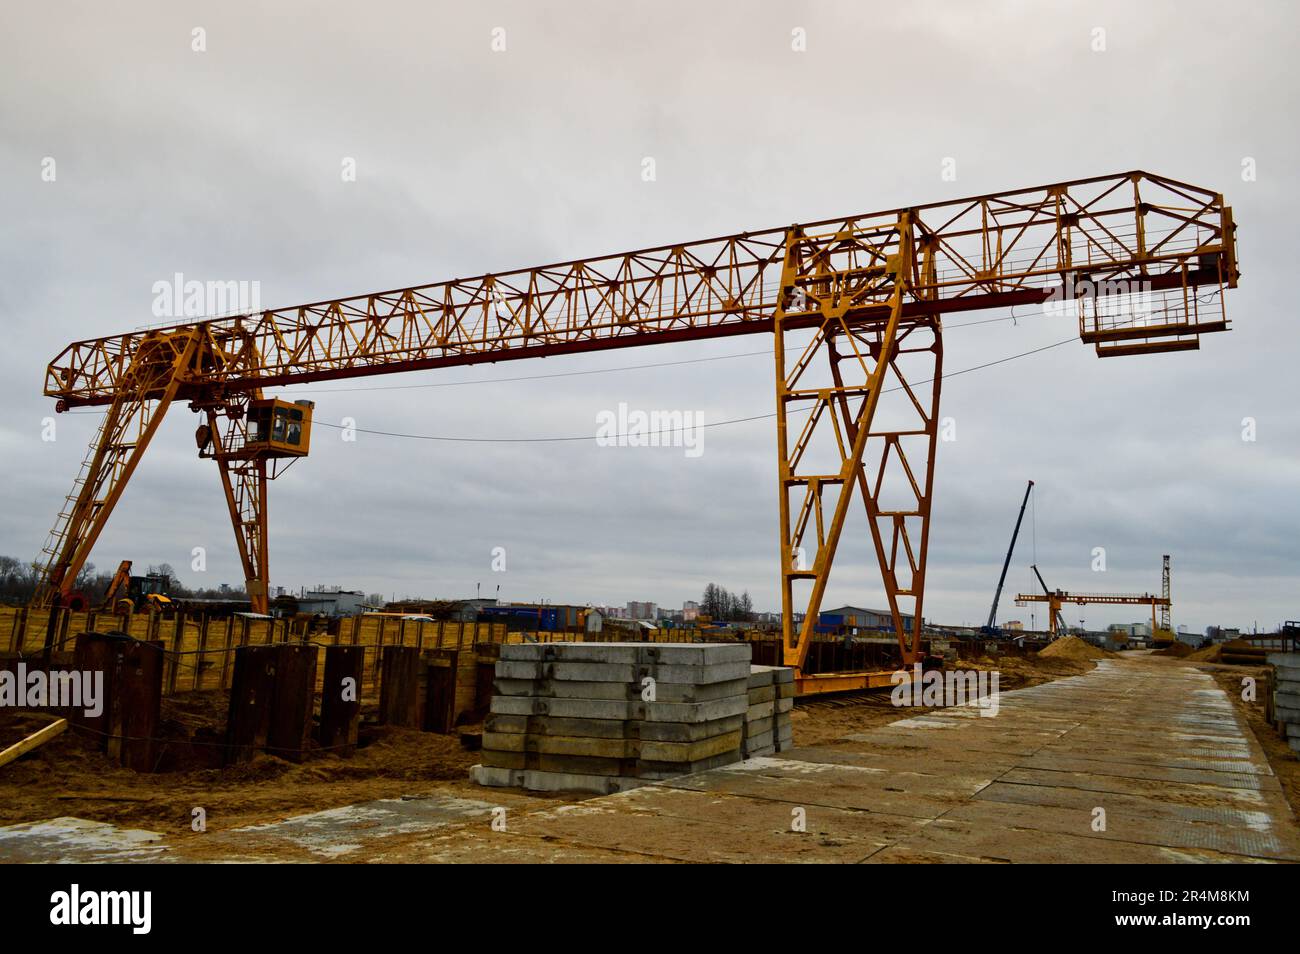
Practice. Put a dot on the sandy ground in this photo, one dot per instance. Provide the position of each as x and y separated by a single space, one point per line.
69 777
827 721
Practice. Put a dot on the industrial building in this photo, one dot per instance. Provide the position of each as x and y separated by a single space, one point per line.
331 602
857 621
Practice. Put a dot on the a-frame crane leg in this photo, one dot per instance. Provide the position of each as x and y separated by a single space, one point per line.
842 417
902 529
244 482
147 388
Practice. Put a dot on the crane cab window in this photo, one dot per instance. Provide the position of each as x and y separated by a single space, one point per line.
279 428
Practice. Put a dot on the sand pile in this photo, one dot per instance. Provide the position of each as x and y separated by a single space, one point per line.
1208 654
1176 648
1072 647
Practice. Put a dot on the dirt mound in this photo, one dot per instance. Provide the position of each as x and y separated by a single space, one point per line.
1072 647
1208 654
1176 648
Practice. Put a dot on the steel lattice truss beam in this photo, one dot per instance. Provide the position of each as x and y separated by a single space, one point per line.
1082 599
1140 260
157 366
989 251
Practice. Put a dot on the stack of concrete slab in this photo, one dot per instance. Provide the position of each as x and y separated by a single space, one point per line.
1286 696
605 717
767 720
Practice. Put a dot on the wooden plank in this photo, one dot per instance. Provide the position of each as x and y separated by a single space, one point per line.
466 686
20 631
379 648
229 651
289 732
340 703
440 690
97 652
398 686
251 692
33 741
51 631
486 660
178 643
63 629
203 649
139 702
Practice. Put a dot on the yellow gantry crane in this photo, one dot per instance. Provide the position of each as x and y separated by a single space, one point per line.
854 307
1161 633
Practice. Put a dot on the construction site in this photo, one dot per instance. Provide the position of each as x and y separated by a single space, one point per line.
926 672
654 745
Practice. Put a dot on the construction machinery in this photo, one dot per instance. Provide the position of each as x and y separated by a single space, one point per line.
127 593
116 594
152 590
991 628
1055 599
854 307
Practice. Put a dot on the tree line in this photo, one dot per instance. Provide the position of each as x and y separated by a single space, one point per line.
724 606
19 579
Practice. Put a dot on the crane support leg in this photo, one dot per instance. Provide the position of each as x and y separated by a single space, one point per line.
244 482
843 441
147 389
901 529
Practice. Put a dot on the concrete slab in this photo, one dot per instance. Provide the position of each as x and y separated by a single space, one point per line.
647 749
700 827
340 833
536 780
1155 743
681 712
622 691
70 840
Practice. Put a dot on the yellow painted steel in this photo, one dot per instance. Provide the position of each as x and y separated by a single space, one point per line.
867 291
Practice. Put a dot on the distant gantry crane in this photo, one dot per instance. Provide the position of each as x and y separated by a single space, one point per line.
854 307
1057 621
1161 634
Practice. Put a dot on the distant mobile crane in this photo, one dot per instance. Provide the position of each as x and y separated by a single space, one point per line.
1161 634
854 308
991 627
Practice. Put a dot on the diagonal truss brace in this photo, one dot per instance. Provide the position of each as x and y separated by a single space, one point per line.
244 483
863 356
164 362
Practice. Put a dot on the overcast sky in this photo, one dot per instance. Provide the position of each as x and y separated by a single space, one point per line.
225 164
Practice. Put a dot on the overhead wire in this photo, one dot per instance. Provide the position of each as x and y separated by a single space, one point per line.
668 430
640 434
